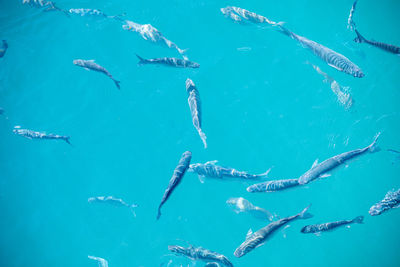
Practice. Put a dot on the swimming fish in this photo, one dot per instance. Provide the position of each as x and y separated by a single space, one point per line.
39 135
169 61
46 5
150 33
209 169
93 13
350 23
177 176
256 239
387 47
113 201
239 204
390 201
240 14
91 65
341 92
200 253
102 262
195 108
3 48
320 169
318 228
272 186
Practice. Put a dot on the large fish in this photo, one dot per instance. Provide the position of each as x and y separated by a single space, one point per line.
102 262
150 33
3 48
195 108
87 12
350 22
179 172
91 65
320 169
240 14
30 134
318 228
387 47
200 253
272 186
256 239
390 201
169 61
209 169
113 201
239 204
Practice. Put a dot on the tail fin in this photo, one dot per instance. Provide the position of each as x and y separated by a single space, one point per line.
263 175
141 60
159 213
374 147
304 214
117 84
132 207
203 137
359 38
358 219
67 140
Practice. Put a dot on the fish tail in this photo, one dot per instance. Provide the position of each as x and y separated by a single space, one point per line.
141 60
374 146
117 83
132 208
358 219
359 38
203 137
304 214
67 140
159 212
263 175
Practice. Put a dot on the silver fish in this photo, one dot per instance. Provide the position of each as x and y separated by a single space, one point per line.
387 47
240 14
169 61
200 253
177 176
239 204
195 108
30 134
113 201
318 228
256 239
102 262
350 23
46 5
3 48
91 65
390 201
87 12
273 186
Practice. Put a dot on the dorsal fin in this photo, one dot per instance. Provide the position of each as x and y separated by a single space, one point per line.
315 163
249 234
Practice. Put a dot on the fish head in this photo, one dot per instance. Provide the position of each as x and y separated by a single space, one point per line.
233 201
177 249
306 229
195 167
78 62
376 209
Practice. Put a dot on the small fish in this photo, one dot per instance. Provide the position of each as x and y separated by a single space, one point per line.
256 239
209 169
92 13
39 135
239 204
239 14
318 228
150 33
113 201
273 186
169 61
91 65
350 23
387 47
202 254
3 48
102 262
195 108
46 5
391 201
177 176
396 153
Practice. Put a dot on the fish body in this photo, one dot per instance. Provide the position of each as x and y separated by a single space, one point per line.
169 61
177 176
199 253
240 14
272 186
195 108
386 47
240 204
3 48
91 65
258 238
320 169
317 228
210 169
118 202
88 12
39 135
102 262
390 201
350 22
45 5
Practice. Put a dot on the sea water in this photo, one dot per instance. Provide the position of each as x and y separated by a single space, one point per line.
262 107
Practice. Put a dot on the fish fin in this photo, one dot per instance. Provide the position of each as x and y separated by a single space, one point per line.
259 245
249 234
159 213
397 206
67 140
336 67
304 214
358 219
90 60
348 226
317 234
142 61
325 175
283 230
315 163
86 68
265 174
374 147
201 178
117 84
212 162
359 38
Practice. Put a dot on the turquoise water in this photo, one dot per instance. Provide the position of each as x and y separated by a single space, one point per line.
262 107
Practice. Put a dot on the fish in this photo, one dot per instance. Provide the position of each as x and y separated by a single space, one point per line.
113 201
318 228
46 5
332 58
3 48
386 47
210 169
91 65
102 262
239 204
177 176
341 92
87 12
195 108
169 61
320 169
148 32
30 134
350 23
199 253
396 153
273 186
258 238
239 14
390 201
